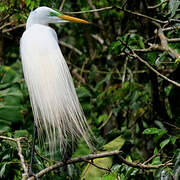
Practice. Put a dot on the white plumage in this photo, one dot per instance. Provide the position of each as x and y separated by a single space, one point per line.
53 97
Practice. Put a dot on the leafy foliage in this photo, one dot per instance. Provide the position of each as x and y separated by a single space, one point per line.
127 106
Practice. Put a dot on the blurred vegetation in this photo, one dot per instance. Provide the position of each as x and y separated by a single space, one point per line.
120 96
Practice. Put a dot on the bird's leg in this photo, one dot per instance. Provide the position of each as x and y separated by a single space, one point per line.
31 173
65 156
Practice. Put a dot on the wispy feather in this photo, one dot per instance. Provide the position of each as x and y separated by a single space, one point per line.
55 104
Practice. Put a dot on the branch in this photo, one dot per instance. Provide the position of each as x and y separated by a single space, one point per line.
143 166
7 24
70 47
165 45
13 28
99 167
172 125
62 5
24 175
96 14
75 160
157 5
124 69
98 38
154 70
133 54
4 18
79 159
78 76
18 142
90 11
142 15
174 40
152 47
170 28
100 23
8 138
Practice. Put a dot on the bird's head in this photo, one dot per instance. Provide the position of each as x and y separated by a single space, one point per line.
45 15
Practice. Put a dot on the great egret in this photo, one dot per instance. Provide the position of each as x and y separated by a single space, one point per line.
54 102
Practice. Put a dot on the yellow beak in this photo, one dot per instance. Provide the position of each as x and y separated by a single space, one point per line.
73 19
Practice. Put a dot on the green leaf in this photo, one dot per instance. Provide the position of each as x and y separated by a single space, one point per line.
115 144
82 92
21 133
103 81
115 45
173 7
156 161
154 131
155 150
5 157
111 176
11 96
164 143
128 158
177 60
82 149
4 128
9 75
16 114
102 118
116 167
91 172
173 139
2 171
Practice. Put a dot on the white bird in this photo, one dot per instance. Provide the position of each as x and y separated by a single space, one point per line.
54 102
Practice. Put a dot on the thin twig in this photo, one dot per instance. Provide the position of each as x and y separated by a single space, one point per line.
99 167
152 157
98 38
70 47
4 18
106 121
44 158
13 28
172 125
143 166
142 15
174 40
78 76
170 28
124 69
157 5
7 24
90 11
152 47
174 20
62 5
100 23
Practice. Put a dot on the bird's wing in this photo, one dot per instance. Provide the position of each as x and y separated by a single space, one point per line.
54 101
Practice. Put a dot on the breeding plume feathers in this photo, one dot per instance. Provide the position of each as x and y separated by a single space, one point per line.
55 104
